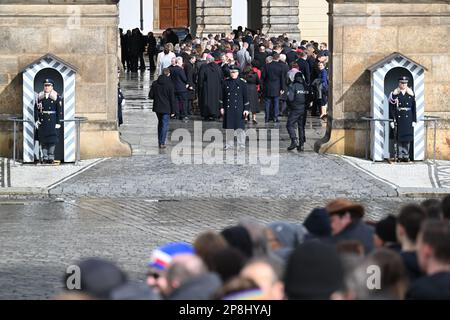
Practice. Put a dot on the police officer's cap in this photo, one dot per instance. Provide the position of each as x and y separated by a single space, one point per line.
234 69
49 81
403 79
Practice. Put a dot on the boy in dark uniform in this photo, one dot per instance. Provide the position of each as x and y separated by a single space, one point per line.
235 106
47 112
402 108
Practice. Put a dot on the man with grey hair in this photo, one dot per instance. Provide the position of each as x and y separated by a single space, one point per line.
188 278
243 56
181 85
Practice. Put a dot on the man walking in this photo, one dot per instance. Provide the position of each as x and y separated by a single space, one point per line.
296 95
164 104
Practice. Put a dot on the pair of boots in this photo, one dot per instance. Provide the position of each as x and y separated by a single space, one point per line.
295 144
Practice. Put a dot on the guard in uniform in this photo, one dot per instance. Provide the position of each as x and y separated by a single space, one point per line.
402 109
47 115
296 96
235 107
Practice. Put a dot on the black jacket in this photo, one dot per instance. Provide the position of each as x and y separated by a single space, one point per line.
200 288
179 79
163 95
291 55
305 69
434 287
297 93
358 230
48 111
273 77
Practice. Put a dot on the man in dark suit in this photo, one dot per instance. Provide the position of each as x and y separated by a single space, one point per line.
181 85
274 84
304 68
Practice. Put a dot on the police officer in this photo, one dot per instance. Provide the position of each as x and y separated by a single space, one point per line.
402 109
296 95
47 115
234 108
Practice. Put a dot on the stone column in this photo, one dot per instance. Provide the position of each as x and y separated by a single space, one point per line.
280 16
213 16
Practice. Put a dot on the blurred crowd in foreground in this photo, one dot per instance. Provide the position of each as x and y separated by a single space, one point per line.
334 254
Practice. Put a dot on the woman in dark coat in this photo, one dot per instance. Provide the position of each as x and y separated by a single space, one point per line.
253 81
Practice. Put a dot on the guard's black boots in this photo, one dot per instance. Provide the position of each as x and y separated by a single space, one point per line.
300 148
294 144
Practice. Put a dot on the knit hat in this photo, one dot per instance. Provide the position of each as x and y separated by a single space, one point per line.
314 271
162 257
99 277
239 238
318 223
288 234
385 229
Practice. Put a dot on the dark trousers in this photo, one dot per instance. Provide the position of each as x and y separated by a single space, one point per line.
182 105
268 102
141 61
48 151
151 57
296 121
403 150
163 127
134 59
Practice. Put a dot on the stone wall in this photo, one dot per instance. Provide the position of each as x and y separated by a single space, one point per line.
364 32
83 34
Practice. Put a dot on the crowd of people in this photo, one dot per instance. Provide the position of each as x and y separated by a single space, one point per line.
198 69
334 254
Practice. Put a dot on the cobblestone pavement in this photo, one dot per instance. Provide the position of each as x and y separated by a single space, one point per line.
121 209
308 175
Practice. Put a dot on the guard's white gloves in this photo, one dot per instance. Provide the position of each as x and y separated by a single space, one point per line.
392 125
37 124
123 103
414 124
57 126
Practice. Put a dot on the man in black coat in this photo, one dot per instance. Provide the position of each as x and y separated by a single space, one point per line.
164 104
181 85
151 50
291 55
210 78
304 67
433 252
235 107
402 108
191 74
135 48
296 96
261 56
47 113
274 84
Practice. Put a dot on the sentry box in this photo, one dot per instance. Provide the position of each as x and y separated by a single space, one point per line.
384 80
64 74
